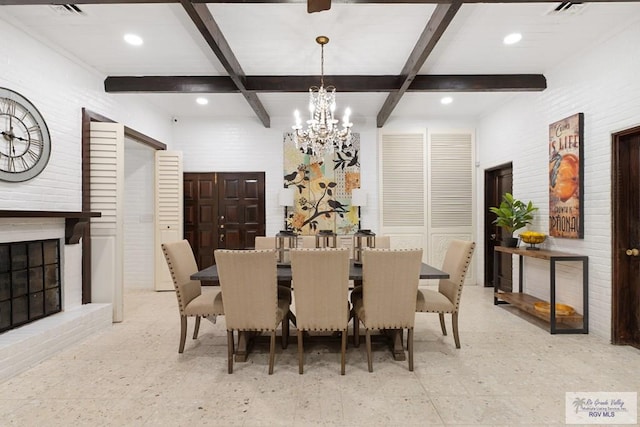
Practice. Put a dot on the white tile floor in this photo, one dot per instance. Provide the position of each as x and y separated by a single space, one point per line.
509 371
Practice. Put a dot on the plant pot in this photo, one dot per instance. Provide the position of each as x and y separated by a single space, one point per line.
510 242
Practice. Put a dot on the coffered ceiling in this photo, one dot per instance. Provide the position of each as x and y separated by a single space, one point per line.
257 58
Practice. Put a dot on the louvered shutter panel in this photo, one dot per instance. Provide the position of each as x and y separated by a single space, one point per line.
450 192
169 211
107 232
402 183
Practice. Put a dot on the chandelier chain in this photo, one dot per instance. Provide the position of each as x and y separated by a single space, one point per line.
322 64
322 135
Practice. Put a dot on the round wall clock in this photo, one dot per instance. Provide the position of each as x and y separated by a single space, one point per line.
25 143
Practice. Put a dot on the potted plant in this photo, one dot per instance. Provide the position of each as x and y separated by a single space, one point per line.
512 215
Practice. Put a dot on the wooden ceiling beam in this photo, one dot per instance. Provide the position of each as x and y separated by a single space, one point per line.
78 2
357 83
271 84
203 20
81 2
479 83
438 23
170 84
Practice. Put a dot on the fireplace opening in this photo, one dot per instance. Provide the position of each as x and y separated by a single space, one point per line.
30 287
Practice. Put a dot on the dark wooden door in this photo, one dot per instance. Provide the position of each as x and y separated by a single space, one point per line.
498 181
241 214
223 210
626 238
201 215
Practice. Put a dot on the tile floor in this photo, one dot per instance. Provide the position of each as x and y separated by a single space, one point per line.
509 371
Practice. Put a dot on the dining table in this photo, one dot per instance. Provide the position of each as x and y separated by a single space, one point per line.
210 276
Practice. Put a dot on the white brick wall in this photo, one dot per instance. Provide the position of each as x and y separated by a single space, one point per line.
603 83
60 88
245 145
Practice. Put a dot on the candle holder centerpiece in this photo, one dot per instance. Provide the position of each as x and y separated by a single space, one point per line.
285 240
326 239
362 239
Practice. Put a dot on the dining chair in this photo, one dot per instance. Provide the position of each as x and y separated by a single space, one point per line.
309 241
321 278
264 242
284 287
193 300
387 301
249 283
382 242
447 298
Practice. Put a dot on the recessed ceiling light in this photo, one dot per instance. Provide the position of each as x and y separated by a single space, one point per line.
133 39
512 38
202 101
446 100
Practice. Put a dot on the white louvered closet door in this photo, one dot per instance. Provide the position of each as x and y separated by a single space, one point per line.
107 232
169 211
402 184
450 196
426 191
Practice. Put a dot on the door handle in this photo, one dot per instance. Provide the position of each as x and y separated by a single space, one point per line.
221 238
633 252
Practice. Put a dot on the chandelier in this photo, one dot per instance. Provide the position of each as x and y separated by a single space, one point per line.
322 135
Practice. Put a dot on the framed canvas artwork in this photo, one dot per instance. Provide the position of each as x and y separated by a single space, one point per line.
566 169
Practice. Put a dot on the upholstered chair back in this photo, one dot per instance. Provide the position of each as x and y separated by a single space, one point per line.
248 280
456 263
390 285
182 264
264 242
309 242
383 242
321 278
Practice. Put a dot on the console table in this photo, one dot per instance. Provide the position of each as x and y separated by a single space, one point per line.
526 302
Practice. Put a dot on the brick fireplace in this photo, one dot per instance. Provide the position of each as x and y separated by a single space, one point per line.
55 317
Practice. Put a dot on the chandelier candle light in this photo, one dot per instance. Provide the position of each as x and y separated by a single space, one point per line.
322 135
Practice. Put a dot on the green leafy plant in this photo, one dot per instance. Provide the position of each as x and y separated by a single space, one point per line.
513 214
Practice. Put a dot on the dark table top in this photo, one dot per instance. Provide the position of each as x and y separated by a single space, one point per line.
355 273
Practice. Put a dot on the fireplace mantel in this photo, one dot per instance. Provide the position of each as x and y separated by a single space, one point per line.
74 221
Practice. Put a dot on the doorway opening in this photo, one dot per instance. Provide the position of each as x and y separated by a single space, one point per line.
625 249
497 181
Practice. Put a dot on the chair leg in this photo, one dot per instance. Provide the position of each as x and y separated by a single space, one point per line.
356 331
368 341
183 333
230 351
444 329
344 351
285 332
410 347
300 351
454 320
272 351
197 328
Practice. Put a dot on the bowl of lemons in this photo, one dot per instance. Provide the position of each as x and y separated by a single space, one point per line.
533 238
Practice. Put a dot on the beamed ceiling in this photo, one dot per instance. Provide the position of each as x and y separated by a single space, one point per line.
259 58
